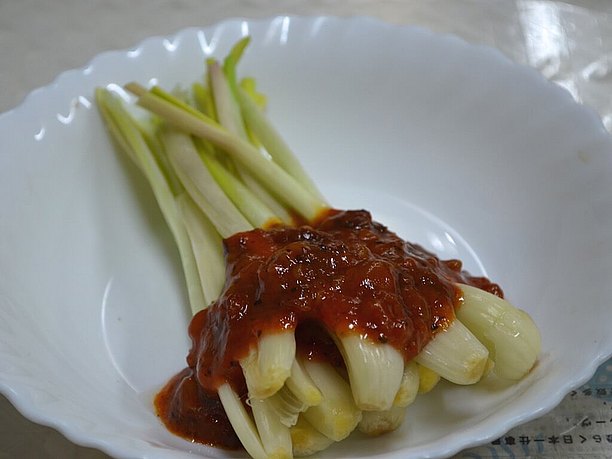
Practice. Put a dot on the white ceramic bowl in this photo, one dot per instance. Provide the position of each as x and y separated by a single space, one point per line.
451 145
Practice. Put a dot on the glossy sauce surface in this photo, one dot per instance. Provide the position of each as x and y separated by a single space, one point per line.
343 274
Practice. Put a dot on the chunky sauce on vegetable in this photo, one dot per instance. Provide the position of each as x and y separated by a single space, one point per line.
343 274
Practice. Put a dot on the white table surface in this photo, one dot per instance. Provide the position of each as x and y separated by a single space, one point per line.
40 39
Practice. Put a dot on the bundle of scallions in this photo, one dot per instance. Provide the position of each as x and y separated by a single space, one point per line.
217 167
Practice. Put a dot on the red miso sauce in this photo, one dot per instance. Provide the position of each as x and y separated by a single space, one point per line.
343 274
